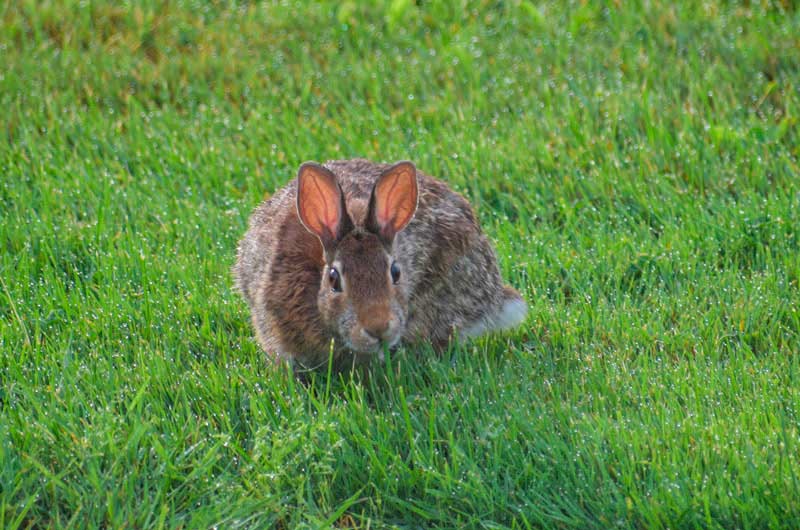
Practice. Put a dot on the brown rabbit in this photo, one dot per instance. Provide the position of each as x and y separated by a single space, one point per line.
369 255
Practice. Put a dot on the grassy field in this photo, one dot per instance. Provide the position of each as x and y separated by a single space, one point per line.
636 166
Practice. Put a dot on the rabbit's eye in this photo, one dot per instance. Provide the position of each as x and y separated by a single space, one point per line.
335 279
395 270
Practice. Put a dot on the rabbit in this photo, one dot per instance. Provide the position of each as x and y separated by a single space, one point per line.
354 256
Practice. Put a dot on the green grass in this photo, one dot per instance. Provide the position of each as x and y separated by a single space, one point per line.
636 165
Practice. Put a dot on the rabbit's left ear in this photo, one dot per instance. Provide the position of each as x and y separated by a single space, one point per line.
320 204
393 201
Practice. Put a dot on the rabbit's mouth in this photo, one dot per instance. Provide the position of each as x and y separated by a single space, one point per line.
363 343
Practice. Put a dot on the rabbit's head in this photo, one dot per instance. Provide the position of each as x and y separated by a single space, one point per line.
362 294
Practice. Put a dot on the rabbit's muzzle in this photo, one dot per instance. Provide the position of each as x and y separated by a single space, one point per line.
374 328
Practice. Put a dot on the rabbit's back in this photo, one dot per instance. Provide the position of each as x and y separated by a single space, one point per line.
257 247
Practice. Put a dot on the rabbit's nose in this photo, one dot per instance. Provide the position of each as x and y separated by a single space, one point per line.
377 330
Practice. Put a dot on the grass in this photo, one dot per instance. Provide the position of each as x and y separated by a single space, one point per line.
635 164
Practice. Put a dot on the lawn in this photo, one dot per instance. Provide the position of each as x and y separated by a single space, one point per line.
635 163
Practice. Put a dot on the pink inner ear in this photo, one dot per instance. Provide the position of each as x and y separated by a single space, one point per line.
318 202
323 201
385 202
396 197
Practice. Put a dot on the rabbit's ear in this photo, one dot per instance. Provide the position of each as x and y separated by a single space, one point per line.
320 204
393 201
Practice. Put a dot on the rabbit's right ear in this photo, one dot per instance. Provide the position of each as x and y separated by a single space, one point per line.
320 204
393 201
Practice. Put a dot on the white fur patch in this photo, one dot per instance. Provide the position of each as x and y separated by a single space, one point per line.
511 314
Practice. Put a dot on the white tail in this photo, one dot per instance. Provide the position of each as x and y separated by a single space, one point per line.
510 314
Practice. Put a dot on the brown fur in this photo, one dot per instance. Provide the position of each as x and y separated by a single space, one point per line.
449 278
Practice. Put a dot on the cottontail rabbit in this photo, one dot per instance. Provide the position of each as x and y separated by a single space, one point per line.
369 255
